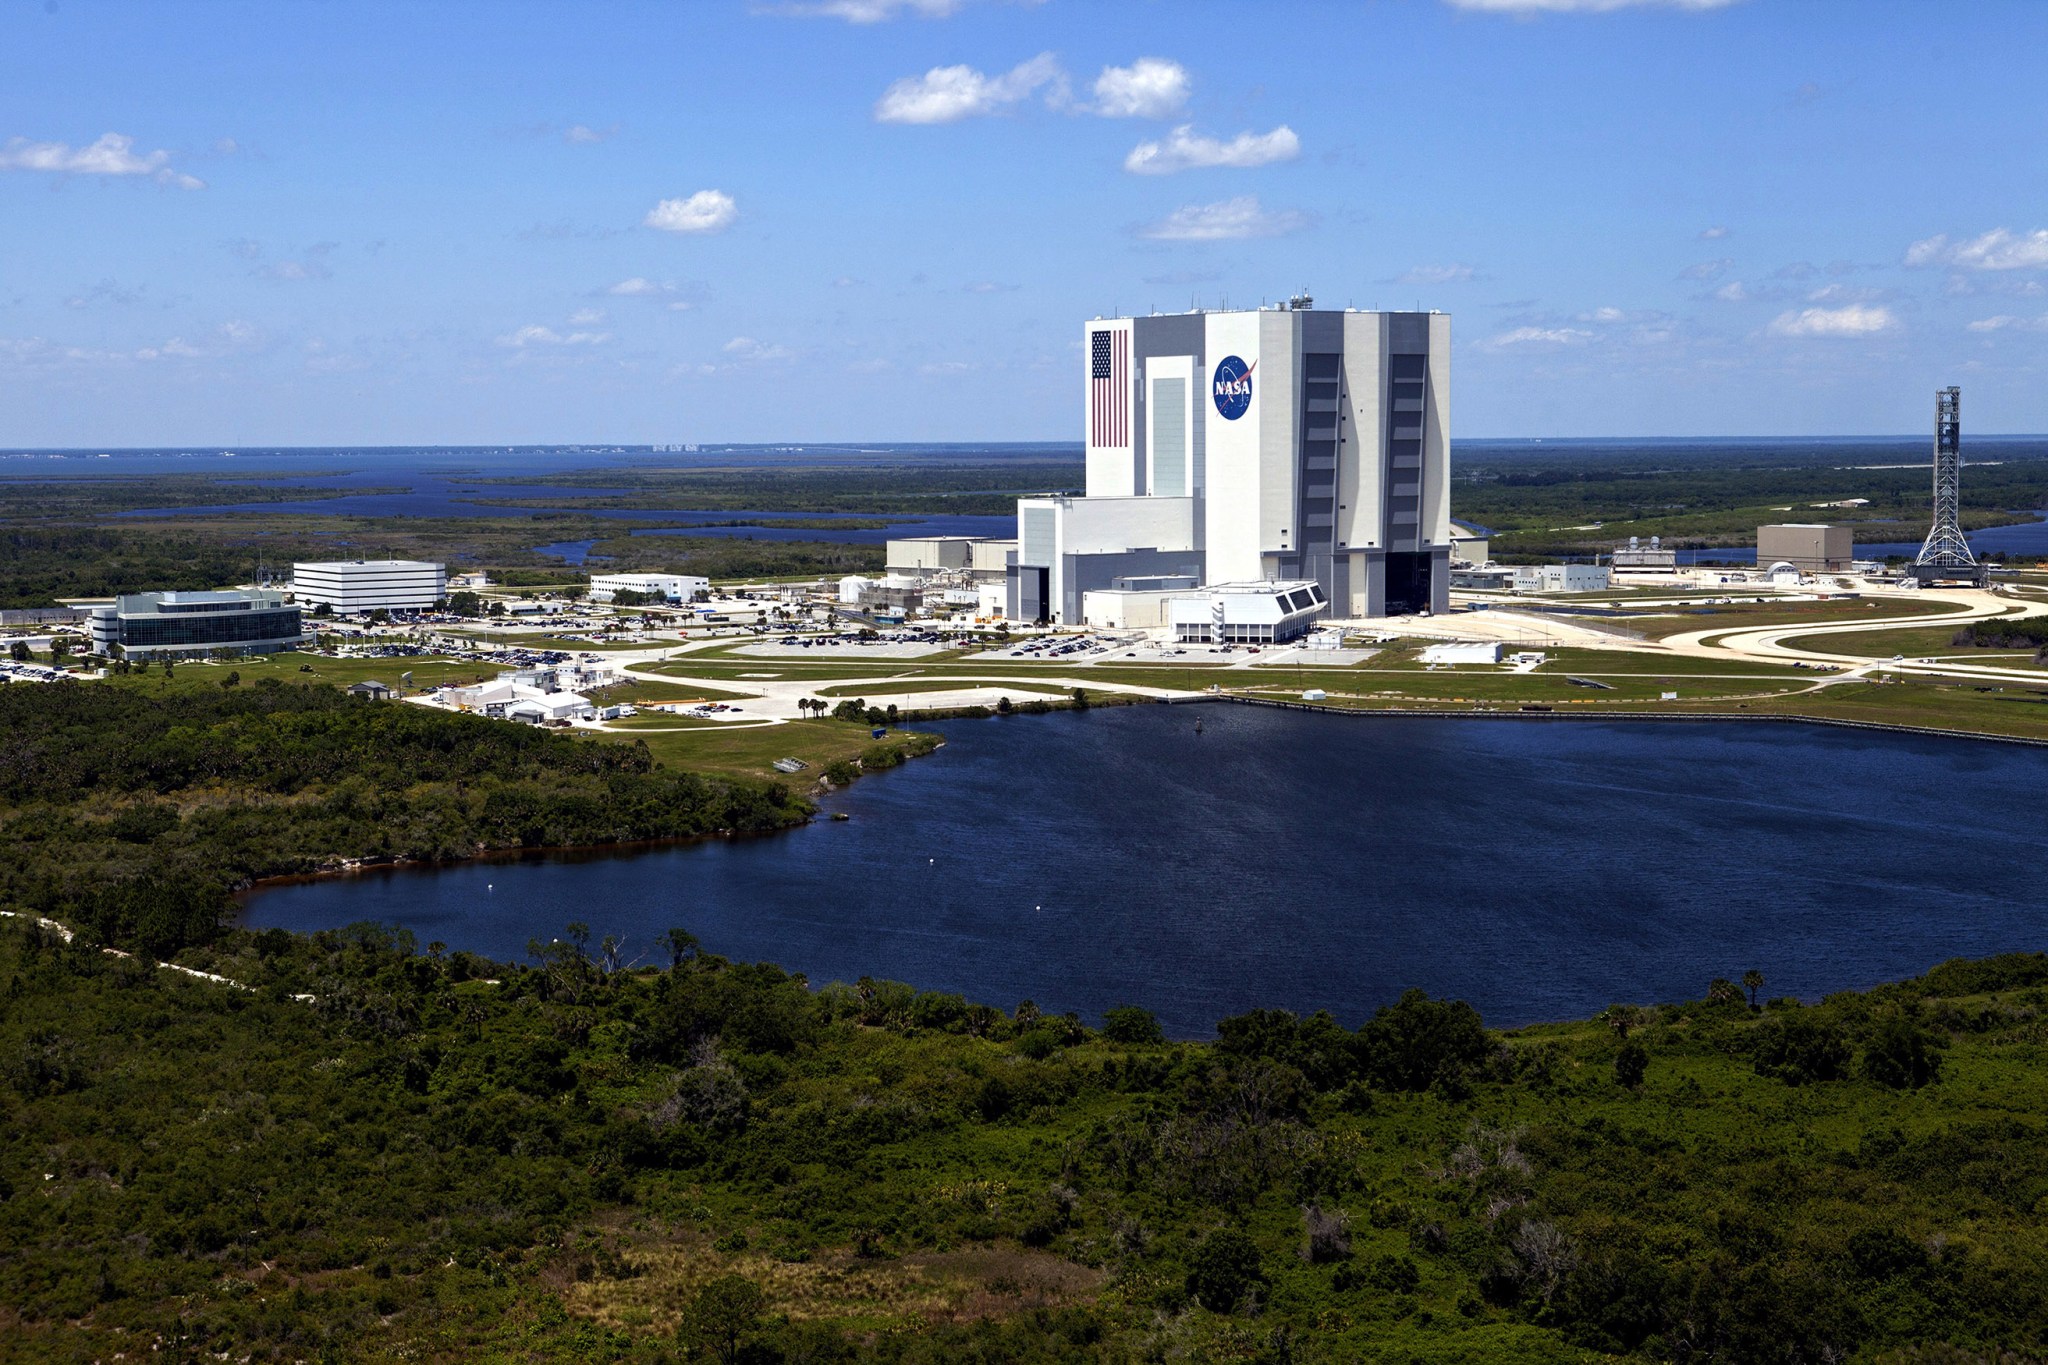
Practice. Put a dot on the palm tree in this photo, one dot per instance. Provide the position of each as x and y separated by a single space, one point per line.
1752 981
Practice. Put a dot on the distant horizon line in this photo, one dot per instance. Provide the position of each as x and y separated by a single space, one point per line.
217 449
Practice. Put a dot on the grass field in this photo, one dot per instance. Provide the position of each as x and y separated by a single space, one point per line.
1750 616
1915 642
751 752
897 689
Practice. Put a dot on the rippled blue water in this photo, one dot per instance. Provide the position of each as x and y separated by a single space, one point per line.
1538 869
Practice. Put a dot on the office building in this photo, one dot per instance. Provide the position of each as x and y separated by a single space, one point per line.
353 587
669 587
1810 549
1250 446
1247 613
147 626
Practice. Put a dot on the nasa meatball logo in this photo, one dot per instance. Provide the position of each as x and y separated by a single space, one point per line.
1233 386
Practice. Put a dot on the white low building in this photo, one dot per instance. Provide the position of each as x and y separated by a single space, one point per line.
355 586
672 587
1463 652
1562 578
1247 613
509 700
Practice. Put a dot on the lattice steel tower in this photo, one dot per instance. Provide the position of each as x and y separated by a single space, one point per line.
1946 554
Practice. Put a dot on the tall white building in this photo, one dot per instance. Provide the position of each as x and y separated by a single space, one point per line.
1273 444
350 586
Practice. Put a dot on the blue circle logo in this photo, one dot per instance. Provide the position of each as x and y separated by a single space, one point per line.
1233 386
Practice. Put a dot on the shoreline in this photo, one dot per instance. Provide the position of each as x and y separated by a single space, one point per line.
1475 713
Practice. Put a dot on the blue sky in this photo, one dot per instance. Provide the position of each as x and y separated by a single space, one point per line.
706 220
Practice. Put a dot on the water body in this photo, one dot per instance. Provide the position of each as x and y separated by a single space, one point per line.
1541 870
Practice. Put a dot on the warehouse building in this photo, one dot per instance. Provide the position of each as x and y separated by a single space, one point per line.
670 587
147 626
1808 548
1562 578
353 587
1254 446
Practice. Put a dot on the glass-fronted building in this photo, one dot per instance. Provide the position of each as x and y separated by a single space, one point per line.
181 625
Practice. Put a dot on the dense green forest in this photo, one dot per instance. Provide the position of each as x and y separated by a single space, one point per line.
379 1152
135 814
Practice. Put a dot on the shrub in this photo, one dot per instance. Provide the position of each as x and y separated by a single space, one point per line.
1799 1049
1326 1235
1902 1055
1629 1065
1223 1270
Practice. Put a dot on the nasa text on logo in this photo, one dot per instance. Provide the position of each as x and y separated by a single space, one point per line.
1233 386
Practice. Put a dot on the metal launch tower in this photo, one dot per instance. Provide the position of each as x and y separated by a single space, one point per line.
1945 556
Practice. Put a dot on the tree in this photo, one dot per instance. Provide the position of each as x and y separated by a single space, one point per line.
1080 699
720 1317
1223 1270
1131 1024
680 944
18 651
465 603
1752 981
1902 1055
1629 1065
233 679
1798 1050
60 648
167 668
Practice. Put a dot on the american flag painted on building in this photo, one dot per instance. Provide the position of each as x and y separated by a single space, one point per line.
1109 388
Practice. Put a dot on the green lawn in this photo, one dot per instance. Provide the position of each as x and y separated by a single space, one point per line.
894 689
751 752
1915 642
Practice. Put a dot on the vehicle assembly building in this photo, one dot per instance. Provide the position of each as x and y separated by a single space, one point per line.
1288 445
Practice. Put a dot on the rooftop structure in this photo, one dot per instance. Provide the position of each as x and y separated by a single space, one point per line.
1254 445
355 586
179 625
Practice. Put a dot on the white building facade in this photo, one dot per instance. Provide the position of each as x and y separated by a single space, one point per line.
673 587
1274 444
353 586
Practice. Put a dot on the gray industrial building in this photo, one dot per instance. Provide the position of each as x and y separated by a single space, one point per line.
185 625
1808 548
1289 443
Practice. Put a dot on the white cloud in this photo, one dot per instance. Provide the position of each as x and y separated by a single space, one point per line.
112 154
1223 221
946 94
1843 293
990 287
1532 7
1183 150
946 367
536 335
1150 87
873 11
586 317
1434 274
1713 234
1607 314
1854 320
704 211
1732 292
748 349
1706 270
1998 249
582 135
1545 336
636 287
2007 322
